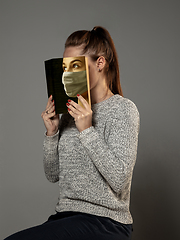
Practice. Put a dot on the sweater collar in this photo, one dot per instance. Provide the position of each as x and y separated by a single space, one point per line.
98 105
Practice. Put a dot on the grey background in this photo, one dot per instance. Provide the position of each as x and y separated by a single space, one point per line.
147 37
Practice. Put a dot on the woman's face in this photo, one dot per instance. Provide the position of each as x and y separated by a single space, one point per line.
74 53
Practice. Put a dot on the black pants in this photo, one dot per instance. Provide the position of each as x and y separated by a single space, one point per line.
76 226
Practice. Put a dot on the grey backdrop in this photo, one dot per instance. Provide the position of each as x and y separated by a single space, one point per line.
147 37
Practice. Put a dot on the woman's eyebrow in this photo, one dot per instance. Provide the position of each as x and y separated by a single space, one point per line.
76 60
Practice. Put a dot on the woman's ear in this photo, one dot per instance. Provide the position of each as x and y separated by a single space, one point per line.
100 63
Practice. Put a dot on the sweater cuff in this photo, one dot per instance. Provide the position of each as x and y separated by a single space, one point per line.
51 139
88 135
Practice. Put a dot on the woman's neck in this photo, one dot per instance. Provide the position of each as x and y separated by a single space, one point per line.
100 94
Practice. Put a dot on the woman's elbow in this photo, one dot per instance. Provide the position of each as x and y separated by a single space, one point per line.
52 179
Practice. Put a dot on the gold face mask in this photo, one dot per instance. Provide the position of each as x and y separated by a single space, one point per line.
74 76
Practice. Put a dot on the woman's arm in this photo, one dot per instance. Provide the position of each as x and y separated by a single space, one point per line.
51 157
50 146
115 158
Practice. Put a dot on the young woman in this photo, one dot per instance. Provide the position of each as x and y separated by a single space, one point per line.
91 152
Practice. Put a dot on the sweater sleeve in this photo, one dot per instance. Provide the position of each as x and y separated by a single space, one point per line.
115 157
51 157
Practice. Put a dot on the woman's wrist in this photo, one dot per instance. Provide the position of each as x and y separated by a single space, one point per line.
50 134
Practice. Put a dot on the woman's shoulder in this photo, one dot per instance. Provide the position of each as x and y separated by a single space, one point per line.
126 111
121 105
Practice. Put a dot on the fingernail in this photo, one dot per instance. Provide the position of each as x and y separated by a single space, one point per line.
78 95
69 109
67 104
69 100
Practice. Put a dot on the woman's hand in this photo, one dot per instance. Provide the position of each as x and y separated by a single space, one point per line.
50 118
82 116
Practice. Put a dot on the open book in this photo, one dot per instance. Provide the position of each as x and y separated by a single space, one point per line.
67 77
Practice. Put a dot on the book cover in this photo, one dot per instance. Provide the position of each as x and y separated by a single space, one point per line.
65 78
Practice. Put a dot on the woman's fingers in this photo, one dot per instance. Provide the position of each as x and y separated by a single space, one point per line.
49 112
50 107
72 114
47 117
73 106
49 102
82 116
50 118
84 102
76 108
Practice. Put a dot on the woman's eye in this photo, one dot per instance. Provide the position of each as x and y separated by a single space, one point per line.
64 68
75 66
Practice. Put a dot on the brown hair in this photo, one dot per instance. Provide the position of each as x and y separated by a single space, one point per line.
98 42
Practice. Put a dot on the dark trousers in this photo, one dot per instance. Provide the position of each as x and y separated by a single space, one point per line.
76 226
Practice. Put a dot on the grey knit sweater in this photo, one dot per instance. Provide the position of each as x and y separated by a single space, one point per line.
94 168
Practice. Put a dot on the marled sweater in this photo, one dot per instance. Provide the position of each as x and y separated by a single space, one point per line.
94 168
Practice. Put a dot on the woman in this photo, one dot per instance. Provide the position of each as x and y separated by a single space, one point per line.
91 152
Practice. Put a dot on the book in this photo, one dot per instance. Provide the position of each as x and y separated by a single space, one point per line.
65 78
